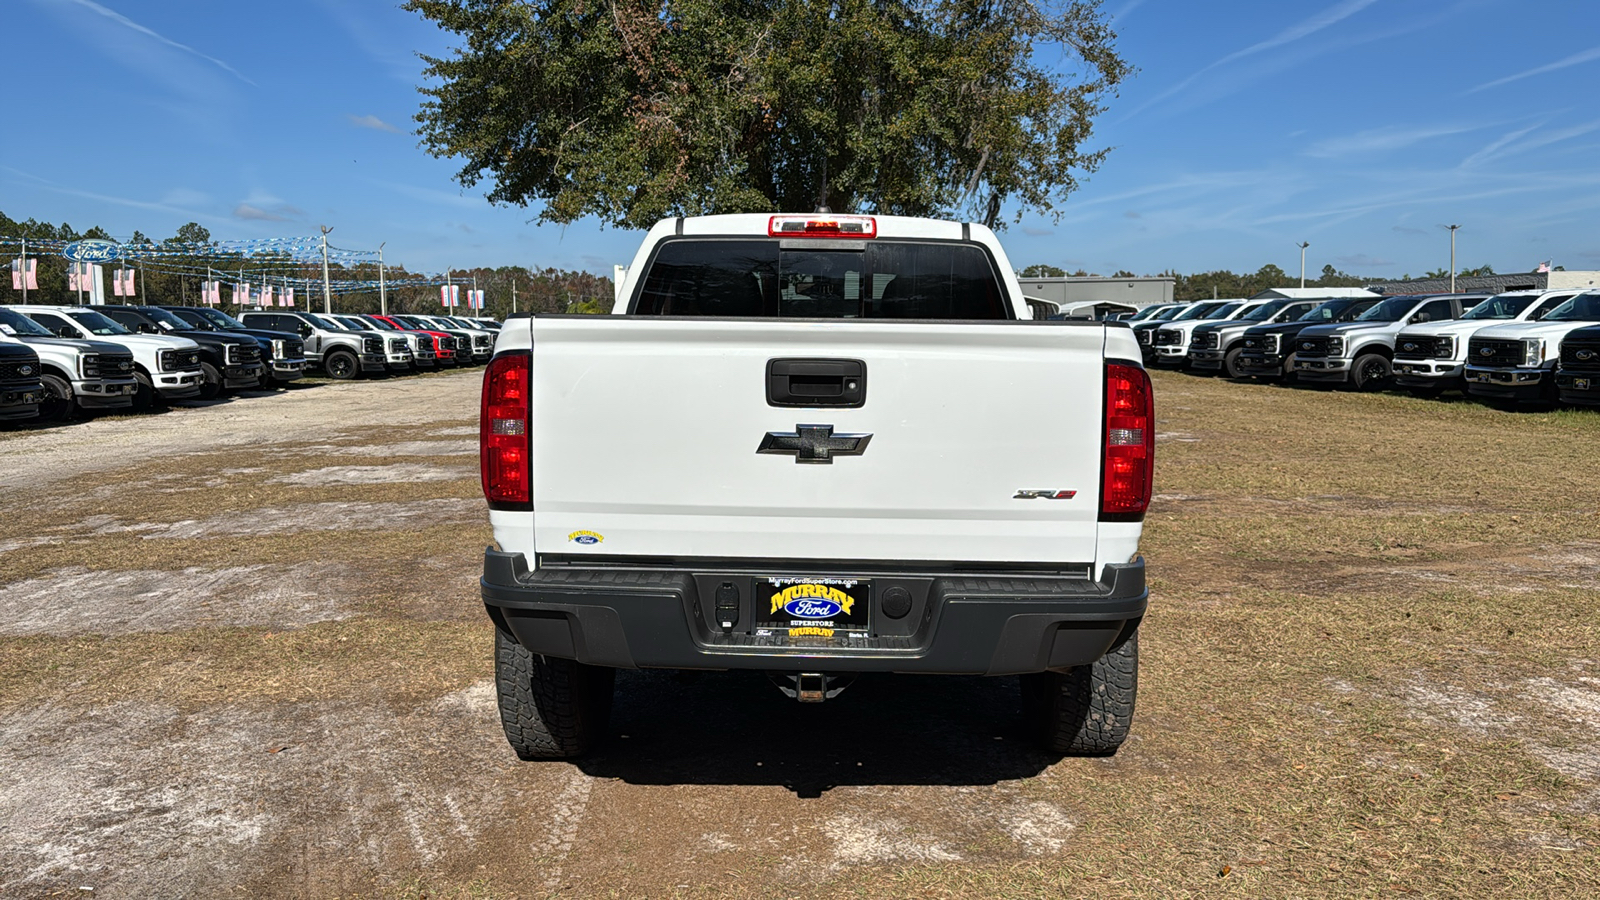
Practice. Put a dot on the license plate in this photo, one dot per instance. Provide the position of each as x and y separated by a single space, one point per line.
30 398
1580 384
811 607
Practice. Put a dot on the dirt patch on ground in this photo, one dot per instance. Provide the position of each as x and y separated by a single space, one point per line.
317 517
79 601
403 473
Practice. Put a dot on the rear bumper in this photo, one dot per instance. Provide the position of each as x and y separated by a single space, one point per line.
655 618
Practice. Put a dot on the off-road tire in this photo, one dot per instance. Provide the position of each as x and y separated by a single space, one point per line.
1364 374
341 365
1230 364
1085 711
1288 374
58 404
144 395
210 382
550 708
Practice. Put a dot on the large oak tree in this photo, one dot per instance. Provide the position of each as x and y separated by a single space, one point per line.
631 111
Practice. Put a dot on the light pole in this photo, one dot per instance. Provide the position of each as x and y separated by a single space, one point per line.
383 298
327 292
1303 245
1452 256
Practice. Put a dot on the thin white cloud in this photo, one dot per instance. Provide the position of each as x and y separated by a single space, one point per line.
1122 13
1513 144
1298 31
1379 140
123 20
256 214
1573 60
372 122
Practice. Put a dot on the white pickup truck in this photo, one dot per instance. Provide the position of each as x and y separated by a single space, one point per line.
816 446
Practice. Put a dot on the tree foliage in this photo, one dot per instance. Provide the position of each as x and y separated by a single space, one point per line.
632 111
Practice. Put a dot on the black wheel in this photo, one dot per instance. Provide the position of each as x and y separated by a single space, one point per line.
144 396
1230 364
341 364
1369 372
1086 711
1290 376
58 400
210 382
550 708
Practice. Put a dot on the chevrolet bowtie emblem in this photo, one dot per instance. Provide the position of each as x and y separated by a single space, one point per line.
814 443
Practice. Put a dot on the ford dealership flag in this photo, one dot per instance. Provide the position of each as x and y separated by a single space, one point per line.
25 273
288 296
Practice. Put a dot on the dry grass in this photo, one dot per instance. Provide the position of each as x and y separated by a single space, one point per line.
1367 671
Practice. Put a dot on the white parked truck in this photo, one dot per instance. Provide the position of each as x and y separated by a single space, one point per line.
1430 359
166 367
1517 361
75 375
816 446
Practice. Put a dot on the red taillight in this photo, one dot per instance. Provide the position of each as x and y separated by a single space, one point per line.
504 443
822 225
1129 451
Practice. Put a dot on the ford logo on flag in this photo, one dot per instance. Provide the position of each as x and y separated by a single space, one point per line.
92 251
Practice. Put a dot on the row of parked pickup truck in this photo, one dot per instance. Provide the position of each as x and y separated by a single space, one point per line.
57 361
1526 346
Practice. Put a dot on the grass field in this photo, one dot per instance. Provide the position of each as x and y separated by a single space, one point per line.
1371 667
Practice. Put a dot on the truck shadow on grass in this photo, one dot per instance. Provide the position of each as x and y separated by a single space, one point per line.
736 728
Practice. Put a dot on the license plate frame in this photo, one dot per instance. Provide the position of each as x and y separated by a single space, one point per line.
811 606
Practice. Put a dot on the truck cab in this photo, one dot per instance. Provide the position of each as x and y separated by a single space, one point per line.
1360 352
812 446
1430 359
165 367
75 374
1219 345
1517 361
228 362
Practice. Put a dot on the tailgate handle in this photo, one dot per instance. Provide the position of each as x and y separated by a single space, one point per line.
816 382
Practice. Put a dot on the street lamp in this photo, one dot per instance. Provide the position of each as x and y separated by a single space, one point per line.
1303 245
1452 256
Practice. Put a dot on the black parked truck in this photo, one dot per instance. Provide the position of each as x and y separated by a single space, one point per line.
283 355
21 389
1267 349
1578 373
228 362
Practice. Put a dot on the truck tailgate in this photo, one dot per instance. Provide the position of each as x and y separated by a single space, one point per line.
645 434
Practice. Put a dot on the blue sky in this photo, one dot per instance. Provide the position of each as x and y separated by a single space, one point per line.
1361 126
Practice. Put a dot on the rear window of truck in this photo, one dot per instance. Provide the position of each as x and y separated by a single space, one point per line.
876 279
